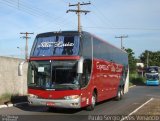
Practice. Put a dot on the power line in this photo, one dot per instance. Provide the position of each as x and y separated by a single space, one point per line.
33 11
45 13
78 11
148 29
105 19
41 13
10 4
30 8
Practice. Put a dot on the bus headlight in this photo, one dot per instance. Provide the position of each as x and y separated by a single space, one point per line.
32 96
71 97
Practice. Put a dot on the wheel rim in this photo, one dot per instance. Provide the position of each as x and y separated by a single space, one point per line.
93 100
119 94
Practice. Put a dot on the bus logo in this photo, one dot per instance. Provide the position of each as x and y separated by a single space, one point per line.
101 66
55 44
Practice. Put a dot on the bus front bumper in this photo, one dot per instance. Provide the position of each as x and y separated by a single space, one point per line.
152 82
61 103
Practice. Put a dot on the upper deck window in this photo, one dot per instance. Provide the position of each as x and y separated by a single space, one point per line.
56 46
153 69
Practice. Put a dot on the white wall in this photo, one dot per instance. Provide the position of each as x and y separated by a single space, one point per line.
10 82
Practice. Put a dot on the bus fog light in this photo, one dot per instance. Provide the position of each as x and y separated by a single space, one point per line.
30 102
74 104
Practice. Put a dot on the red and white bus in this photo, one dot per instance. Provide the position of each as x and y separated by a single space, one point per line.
71 70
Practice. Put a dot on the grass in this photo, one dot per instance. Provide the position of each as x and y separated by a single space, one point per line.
130 84
135 80
5 98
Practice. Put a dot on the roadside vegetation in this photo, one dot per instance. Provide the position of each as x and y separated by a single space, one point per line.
12 98
5 98
153 60
135 80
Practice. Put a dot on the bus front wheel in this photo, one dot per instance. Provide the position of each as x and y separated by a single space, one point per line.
119 94
93 102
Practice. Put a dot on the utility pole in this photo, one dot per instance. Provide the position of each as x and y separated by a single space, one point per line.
147 58
121 37
78 11
26 47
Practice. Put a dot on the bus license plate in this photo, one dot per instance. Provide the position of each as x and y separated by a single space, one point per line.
50 104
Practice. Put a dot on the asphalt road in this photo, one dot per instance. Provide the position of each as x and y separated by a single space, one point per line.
132 100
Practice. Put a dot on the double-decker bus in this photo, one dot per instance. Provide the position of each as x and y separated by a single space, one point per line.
71 70
152 75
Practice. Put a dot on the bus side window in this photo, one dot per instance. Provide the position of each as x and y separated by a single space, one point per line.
33 77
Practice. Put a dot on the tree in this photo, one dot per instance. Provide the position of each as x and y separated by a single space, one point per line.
132 60
152 58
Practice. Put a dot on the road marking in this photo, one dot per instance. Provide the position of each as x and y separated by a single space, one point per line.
137 109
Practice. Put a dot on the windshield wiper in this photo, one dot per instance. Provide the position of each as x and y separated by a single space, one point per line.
67 84
52 89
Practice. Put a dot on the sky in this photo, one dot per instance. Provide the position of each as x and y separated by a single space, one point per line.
138 19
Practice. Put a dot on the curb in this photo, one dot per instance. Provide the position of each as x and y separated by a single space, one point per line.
12 105
132 86
3 106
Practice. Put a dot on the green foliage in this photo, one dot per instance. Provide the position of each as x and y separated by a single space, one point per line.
134 79
153 58
137 80
130 84
5 97
132 60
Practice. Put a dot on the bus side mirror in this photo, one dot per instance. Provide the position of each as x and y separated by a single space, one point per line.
145 75
20 68
80 66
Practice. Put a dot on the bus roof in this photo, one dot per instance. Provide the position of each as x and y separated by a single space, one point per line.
105 41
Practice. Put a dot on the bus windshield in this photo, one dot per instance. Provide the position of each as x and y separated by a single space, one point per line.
56 46
57 75
152 77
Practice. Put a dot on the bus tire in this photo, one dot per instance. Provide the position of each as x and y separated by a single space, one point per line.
50 109
93 102
119 94
122 92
